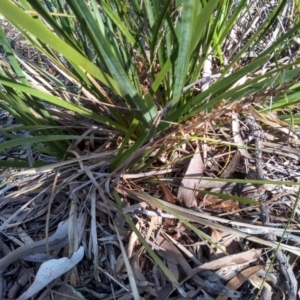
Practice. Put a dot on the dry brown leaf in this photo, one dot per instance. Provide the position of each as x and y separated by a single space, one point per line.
168 195
239 279
191 180
138 275
240 258
119 265
133 238
173 255
153 225
73 276
232 165
183 249
216 203
228 272
217 236
258 282
232 244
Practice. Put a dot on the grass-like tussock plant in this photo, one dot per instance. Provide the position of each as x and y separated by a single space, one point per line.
149 149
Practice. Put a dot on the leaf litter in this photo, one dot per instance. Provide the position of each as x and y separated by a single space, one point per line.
236 259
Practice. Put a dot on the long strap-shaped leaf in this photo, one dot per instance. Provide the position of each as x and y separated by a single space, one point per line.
20 19
60 102
184 35
104 50
192 26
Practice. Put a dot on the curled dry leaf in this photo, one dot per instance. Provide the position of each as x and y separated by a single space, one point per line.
232 165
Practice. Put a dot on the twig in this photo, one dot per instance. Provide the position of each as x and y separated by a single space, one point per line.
286 270
257 134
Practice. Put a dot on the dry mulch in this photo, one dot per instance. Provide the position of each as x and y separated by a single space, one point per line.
237 229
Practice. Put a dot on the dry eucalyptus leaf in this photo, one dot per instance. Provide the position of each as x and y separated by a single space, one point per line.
217 204
230 271
240 258
238 280
191 180
168 195
216 235
139 277
132 240
173 255
257 281
51 270
56 241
